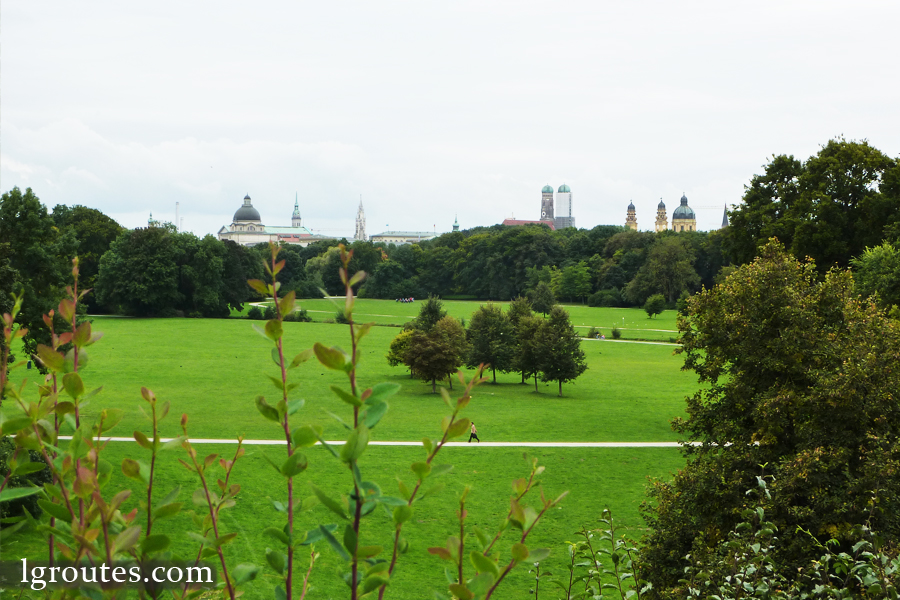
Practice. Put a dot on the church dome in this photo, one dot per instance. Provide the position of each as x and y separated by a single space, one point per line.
564 189
684 211
661 205
547 190
246 212
631 206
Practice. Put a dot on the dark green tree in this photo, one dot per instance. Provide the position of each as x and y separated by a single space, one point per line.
94 234
38 260
140 272
541 298
559 347
669 270
877 271
527 359
431 311
654 305
435 354
492 340
798 379
518 308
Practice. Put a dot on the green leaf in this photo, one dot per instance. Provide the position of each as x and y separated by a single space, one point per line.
484 564
276 560
15 424
373 582
267 411
73 385
355 444
520 551
374 413
301 358
295 405
295 463
350 539
332 505
331 358
126 539
143 440
274 330
458 428
315 535
421 469
19 492
461 591
260 286
135 469
306 436
55 510
111 418
28 468
345 396
382 391
441 553
166 510
440 470
481 583
402 514
244 572
154 543
334 543
52 359
538 554
278 534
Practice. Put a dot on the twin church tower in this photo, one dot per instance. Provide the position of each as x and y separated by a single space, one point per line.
562 216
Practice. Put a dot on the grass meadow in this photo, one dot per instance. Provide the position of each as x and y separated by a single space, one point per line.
213 369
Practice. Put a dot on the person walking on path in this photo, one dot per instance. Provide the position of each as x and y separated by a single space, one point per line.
473 434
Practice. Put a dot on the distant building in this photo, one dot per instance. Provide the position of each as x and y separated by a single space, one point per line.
402 237
547 203
247 228
662 223
455 223
684 218
631 217
564 216
725 218
360 223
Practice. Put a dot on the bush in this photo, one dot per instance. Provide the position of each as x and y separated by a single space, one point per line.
269 313
609 298
616 333
340 317
593 332
195 314
298 316
13 508
654 305
255 313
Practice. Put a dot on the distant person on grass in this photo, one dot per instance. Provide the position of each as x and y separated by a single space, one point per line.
473 434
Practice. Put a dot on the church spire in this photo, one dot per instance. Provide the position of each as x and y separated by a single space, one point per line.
360 222
296 221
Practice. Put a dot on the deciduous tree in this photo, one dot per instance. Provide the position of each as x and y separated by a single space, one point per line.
492 340
541 298
559 348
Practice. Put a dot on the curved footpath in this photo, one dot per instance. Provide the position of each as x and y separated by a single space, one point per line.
448 444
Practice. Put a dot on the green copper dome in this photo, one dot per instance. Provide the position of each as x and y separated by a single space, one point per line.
246 212
564 189
547 190
684 211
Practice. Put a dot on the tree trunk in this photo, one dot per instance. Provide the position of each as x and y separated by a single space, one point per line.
450 380
433 388
560 388
535 382
494 371
523 377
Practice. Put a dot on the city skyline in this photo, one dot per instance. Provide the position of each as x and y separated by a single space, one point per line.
430 111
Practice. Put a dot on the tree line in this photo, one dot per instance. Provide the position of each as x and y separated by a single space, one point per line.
435 345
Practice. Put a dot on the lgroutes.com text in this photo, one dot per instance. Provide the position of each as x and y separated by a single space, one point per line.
150 575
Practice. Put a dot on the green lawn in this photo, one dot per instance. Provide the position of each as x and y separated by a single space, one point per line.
213 370
595 478
633 322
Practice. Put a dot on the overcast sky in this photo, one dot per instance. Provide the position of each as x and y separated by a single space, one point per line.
430 109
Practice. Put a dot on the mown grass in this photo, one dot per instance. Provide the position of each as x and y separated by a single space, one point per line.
596 479
632 322
214 369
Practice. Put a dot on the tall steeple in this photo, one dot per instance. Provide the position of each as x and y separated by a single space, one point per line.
725 218
296 221
360 223
455 223
662 222
631 217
